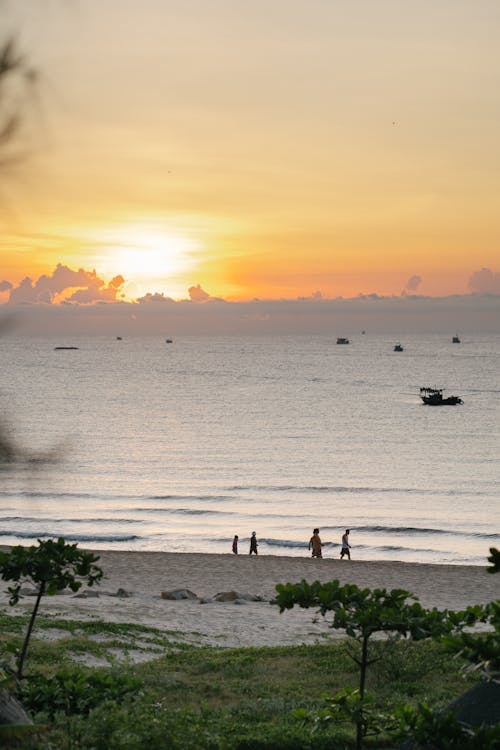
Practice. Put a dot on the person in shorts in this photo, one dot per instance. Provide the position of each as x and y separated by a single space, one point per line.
346 547
315 544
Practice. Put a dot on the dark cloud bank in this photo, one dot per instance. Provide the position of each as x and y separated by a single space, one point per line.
92 306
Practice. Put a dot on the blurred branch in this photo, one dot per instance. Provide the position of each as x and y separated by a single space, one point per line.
17 79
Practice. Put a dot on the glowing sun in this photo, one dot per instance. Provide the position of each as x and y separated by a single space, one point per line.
150 261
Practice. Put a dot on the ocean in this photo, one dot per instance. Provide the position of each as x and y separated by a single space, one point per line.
140 444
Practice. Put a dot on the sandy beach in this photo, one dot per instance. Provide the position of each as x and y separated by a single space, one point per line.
145 575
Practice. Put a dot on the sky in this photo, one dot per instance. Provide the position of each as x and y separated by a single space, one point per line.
208 150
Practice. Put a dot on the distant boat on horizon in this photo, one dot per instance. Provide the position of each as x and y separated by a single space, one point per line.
169 341
455 339
398 348
65 347
342 340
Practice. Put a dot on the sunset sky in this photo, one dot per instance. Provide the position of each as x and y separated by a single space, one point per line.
271 149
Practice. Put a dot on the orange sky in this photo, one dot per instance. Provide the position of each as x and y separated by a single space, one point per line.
265 149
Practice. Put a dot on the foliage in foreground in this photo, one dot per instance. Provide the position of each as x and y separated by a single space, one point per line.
51 566
362 613
494 559
220 699
76 691
440 730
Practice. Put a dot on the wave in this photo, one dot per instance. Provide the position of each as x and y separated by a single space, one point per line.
202 498
196 512
50 495
283 543
71 537
412 530
184 511
27 519
223 498
334 489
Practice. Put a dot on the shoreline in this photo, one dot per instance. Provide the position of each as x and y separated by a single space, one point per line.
145 575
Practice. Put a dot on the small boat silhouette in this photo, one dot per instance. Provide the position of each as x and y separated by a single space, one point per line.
434 397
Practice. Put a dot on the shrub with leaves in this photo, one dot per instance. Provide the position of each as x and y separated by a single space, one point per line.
494 559
483 649
363 612
76 691
51 566
441 731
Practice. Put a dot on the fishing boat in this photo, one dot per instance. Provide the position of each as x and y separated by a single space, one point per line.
398 348
455 340
342 340
434 397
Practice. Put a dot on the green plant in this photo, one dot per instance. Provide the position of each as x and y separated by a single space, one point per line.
76 690
363 612
52 566
482 650
441 730
494 559
346 706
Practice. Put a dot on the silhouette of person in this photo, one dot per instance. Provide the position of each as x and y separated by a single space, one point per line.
315 544
253 544
346 547
235 545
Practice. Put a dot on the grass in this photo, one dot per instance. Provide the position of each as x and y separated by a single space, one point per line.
212 698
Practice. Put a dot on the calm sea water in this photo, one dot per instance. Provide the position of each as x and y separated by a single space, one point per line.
180 446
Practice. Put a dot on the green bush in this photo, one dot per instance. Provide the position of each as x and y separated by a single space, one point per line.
441 730
75 691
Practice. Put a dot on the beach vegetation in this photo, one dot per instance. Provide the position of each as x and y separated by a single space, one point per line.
51 566
482 650
210 698
76 690
494 559
362 614
425 727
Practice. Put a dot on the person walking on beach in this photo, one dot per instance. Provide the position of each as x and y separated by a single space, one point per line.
346 547
315 544
253 544
235 544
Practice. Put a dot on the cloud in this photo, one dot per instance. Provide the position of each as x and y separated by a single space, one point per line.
5 286
156 297
413 283
88 286
197 294
485 281
98 291
314 295
372 296
396 315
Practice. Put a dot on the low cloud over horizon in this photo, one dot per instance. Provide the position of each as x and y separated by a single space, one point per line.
70 303
83 287
64 284
485 281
